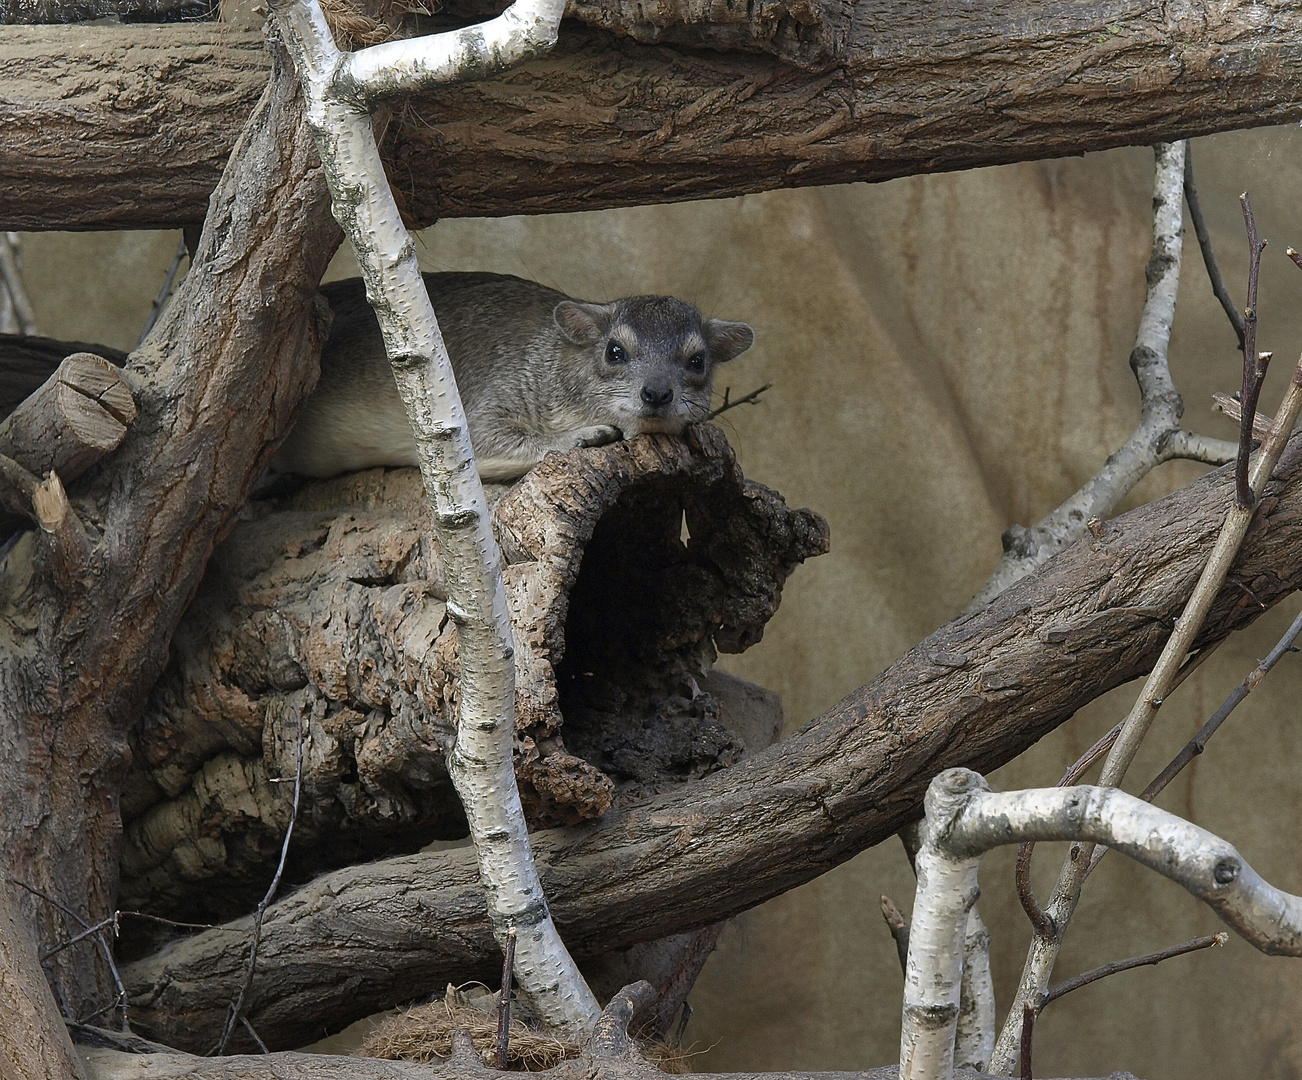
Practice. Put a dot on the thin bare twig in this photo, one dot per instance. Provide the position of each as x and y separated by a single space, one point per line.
236 1012
1198 743
1147 960
753 398
90 931
169 281
254 1035
504 1000
899 928
1209 255
1254 365
1028 1036
11 280
1039 918
684 1018
105 948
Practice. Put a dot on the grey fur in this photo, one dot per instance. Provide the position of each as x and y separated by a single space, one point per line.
533 367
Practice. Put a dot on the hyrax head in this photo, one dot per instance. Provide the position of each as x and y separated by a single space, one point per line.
653 357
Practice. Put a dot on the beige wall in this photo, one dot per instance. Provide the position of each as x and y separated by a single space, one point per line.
948 356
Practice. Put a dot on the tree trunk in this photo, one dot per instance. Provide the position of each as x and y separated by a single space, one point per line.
76 661
117 127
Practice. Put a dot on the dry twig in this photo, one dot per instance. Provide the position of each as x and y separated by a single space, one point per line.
1147 960
1209 255
899 928
753 398
1198 743
236 1013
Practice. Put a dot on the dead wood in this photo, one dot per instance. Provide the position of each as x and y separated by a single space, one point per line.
610 1052
80 414
26 362
325 613
122 127
75 664
976 692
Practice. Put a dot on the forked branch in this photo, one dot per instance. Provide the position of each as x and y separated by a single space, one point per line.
965 820
1158 436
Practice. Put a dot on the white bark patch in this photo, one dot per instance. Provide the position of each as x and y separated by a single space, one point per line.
339 89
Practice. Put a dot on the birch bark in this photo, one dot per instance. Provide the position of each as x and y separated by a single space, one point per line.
340 90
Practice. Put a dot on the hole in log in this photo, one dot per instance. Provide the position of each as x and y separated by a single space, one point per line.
627 567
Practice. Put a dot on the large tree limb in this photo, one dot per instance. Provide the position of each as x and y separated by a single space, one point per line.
975 693
115 127
241 342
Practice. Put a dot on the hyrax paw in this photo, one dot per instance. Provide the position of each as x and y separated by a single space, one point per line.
597 435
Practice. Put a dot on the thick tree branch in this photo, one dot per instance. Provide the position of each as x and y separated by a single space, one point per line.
74 669
976 692
117 127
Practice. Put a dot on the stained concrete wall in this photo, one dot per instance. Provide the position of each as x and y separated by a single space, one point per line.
948 356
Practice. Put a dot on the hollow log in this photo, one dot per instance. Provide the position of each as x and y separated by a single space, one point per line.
323 617
128 127
976 692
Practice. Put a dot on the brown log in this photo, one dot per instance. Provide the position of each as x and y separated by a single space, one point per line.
71 11
80 414
325 616
118 127
975 693
240 341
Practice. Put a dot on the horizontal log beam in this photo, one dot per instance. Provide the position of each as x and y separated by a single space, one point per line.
121 127
975 693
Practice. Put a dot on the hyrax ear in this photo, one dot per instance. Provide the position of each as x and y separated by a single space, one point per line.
727 339
583 324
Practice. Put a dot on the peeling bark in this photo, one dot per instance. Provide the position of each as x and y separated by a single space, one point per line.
117 127
325 611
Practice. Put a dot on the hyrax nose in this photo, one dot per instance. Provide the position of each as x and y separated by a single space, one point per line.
657 396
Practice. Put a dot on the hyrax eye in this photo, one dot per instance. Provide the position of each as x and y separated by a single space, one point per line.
696 362
615 353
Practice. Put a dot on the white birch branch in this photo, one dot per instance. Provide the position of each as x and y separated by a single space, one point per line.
975 1041
1043 952
480 760
1158 436
965 820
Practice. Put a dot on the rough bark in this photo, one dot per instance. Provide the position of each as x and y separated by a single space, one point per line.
117 127
327 613
976 693
34 1043
112 1065
71 11
76 663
